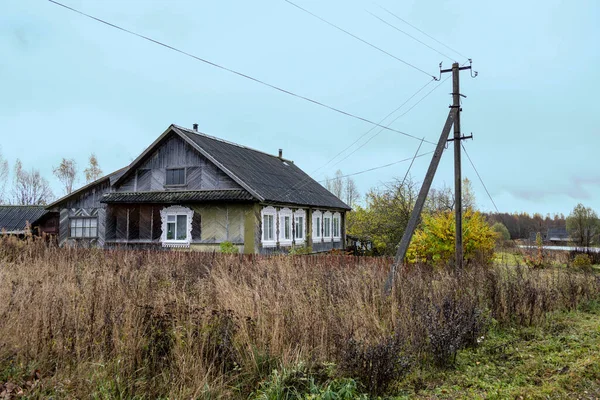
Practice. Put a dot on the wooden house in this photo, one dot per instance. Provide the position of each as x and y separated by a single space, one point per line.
17 220
191 190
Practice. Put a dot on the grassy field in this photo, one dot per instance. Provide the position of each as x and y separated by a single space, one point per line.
78 323
557 359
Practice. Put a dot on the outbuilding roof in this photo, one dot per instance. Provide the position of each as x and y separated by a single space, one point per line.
13 219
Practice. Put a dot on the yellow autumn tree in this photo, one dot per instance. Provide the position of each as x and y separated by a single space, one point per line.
433 242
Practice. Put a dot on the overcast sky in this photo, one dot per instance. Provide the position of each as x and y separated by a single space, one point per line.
72 86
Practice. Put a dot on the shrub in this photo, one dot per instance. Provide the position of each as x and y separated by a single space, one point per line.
433 242
582 260
451 326
228 248
503 235
376 365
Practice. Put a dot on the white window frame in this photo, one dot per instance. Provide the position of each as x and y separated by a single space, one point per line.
85 226
327 225
285 213
272 212
299 234
317 233
337 218
167 212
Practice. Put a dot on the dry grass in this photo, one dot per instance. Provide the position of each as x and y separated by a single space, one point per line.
176 324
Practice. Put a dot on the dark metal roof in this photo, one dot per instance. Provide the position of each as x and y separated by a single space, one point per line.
178 197
13 219
273 178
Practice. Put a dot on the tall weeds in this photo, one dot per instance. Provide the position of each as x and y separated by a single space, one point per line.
180 324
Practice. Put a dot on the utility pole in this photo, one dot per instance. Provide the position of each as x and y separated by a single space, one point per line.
452 120
458 244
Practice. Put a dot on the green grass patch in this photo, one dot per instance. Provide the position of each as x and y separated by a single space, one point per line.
508 258
559 359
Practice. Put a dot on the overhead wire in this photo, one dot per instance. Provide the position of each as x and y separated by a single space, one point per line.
479 176
306 180
410 36
382 166
391 122
424 33
234 71
360 39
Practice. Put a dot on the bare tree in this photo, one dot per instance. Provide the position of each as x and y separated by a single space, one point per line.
93 171
30 188
4 170
66 172
443 199
351 192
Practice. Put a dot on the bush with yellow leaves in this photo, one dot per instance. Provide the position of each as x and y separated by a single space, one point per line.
433 242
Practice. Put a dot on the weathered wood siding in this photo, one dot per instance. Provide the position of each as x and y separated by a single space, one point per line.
87 204
201 174
211 224
66 214
90 198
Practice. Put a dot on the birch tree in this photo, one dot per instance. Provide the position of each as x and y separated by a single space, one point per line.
93 171
66 172
4 170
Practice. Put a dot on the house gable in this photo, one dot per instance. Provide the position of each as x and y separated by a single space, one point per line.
149 174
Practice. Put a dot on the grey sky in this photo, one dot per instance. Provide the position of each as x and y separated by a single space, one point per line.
73 86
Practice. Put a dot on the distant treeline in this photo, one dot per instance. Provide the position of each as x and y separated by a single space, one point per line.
521 225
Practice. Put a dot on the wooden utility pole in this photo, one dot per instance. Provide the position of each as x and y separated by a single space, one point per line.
458 244
416 212
452 120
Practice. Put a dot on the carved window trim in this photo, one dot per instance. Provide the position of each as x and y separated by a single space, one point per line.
271 214
336 227
284 214
327 225
300 234
317 223
176 210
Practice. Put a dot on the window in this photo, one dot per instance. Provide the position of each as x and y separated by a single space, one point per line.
327 225
268 227
175 177
269 215
83 228
176 226
317 226
299 227
337 232
285 227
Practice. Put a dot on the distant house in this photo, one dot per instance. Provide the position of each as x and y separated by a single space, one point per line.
191 190
558 235
15 220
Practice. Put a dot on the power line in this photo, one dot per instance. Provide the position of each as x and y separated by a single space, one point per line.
391 122
414 27
479 176
411 164
362 40
380 122
410 36
233 71
381 166
306 180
